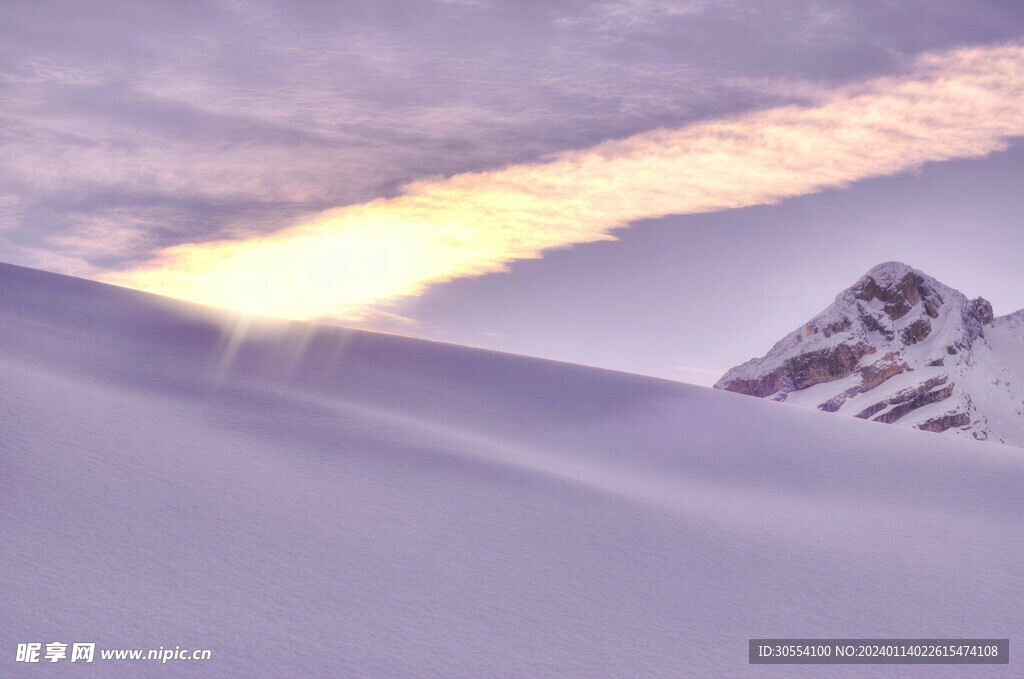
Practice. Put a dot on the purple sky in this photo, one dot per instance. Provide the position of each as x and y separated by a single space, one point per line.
131 127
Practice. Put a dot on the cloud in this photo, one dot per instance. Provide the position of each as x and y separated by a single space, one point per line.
379 320
959 104
232 123
466 3
633 14
706 377
708 372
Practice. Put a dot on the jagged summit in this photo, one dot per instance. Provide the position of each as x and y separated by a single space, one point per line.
900 347
888 273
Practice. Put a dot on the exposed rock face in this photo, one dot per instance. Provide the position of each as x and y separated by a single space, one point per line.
908 399
898 296
916 331
899 347
918 401
874 374
944 422
824 365
982 310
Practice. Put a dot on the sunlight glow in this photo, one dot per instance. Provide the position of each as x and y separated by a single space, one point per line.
960 104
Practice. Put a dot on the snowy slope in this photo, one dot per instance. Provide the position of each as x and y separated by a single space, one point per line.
902 348
313 502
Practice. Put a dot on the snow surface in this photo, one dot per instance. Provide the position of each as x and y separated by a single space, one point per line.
314 502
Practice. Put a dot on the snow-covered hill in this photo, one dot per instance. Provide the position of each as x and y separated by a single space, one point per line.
900 347
313 502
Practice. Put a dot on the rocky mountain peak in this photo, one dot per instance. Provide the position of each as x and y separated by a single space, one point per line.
982 310
892 346
899 288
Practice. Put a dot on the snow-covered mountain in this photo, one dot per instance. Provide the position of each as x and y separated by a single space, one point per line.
900 347
308 501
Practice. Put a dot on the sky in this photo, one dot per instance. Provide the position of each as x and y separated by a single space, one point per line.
657 187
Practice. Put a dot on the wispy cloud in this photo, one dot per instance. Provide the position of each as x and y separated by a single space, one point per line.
702 376
708 372
632 14
249 117
960 104
380 320
466 3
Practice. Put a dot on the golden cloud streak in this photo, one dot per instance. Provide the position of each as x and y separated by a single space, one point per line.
960 104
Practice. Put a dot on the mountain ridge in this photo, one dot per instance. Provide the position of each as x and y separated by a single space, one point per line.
900 347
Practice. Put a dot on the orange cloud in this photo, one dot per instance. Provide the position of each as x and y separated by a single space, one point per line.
959 104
